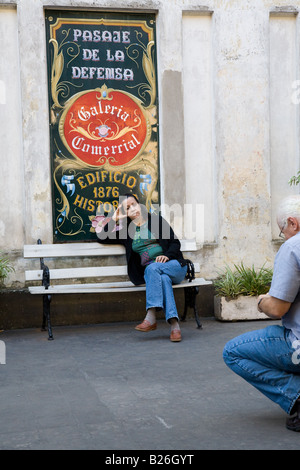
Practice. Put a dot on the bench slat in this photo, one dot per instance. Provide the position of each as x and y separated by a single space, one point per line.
76 273
94 288
72 249
85 249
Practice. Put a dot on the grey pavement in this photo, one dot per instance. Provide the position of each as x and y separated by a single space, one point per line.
110 387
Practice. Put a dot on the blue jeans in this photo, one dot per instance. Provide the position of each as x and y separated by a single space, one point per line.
269 360
159 278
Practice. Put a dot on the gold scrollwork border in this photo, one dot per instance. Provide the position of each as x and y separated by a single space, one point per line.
98 22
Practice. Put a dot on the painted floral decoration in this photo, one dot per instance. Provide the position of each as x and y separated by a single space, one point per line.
99 222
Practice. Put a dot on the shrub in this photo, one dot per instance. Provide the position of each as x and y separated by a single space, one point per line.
5 267
295 179
243 281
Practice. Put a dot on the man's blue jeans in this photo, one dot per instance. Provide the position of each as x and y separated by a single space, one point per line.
159 278
269 359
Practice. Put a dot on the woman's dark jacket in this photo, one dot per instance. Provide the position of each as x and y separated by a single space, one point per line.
161 230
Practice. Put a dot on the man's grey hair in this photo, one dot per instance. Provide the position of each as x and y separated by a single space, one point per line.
289 207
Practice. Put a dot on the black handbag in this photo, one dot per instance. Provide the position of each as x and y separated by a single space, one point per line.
190 274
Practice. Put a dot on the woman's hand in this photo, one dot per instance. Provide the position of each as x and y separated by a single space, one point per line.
119 214
161 259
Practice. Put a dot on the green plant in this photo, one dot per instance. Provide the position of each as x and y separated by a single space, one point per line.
295 179
5 266
243 280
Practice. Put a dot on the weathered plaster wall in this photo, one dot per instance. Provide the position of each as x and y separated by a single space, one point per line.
222 139
11 175
173 161
242 133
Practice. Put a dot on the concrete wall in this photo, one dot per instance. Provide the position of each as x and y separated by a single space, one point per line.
229 125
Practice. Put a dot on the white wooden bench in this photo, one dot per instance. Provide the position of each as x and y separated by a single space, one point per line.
48 276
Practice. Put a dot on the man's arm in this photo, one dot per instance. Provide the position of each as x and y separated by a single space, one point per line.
272 307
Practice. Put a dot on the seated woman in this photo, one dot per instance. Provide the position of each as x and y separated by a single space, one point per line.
153 257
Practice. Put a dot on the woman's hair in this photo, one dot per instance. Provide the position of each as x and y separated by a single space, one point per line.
127 195
289 207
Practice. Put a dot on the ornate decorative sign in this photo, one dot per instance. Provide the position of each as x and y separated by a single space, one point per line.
103 115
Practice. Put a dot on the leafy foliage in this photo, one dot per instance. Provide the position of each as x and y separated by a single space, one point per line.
295 179
243 281
5 266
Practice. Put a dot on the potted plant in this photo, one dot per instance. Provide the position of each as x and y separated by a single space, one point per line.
237 290
5 267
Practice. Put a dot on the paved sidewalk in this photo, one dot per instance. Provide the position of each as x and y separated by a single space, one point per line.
109 387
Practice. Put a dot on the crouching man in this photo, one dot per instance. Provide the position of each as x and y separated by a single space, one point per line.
268 358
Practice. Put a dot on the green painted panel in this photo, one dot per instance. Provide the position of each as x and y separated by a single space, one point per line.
103 115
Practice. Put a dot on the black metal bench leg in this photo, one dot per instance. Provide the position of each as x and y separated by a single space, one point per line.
199 324
183 318
190 294
46 315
